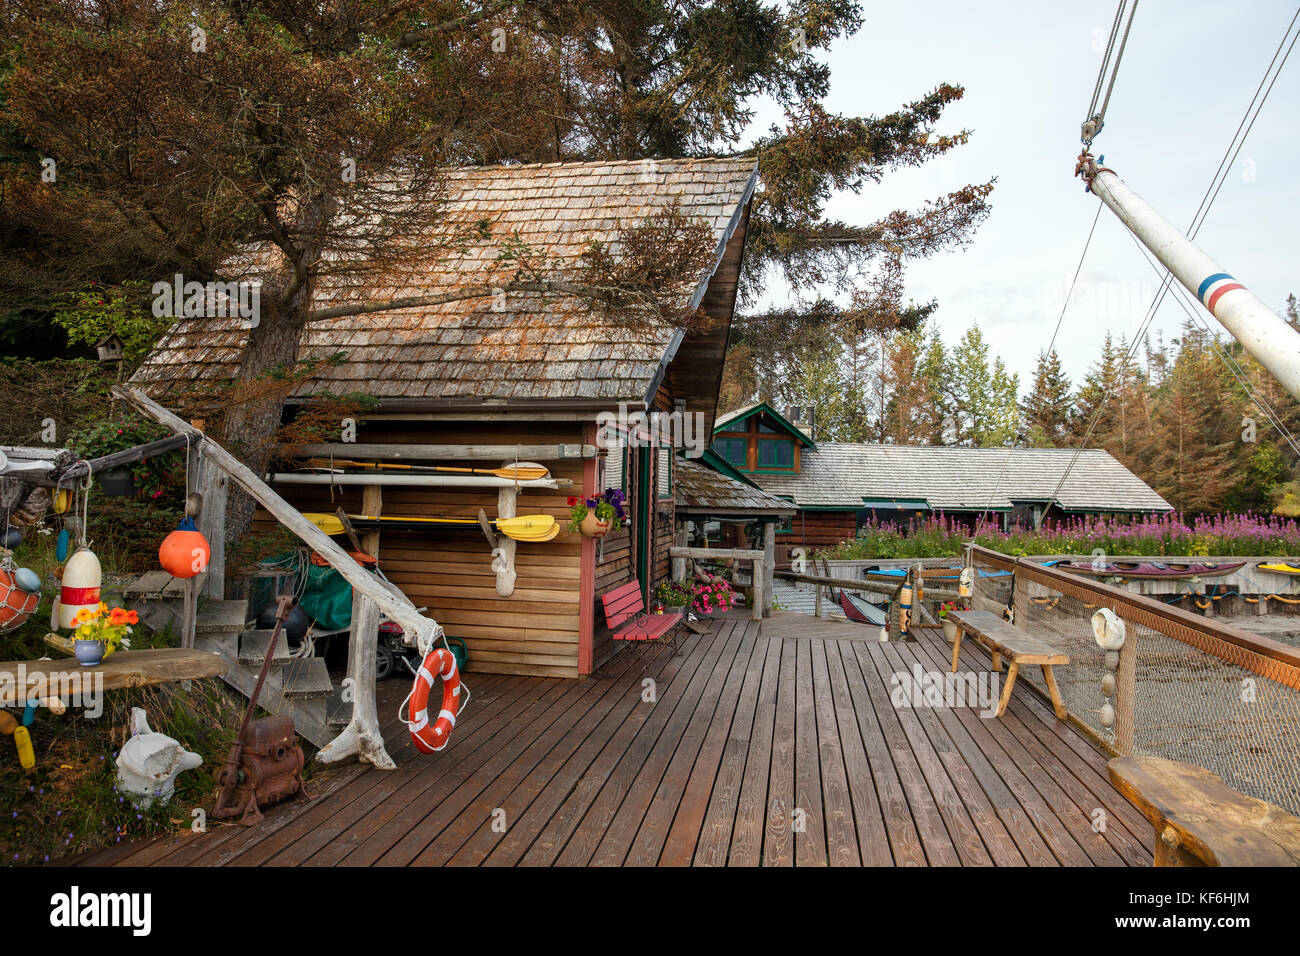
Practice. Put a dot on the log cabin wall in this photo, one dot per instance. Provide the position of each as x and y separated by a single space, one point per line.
536 630
811 530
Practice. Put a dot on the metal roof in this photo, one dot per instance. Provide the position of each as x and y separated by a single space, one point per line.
952 478
541 347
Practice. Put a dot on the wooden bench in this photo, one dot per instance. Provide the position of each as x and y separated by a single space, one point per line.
1003 639
626 615
1201 821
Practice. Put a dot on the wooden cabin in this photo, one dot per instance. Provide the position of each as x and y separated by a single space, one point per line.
838 487
542 371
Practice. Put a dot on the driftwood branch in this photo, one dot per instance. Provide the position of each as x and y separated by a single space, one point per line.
362 737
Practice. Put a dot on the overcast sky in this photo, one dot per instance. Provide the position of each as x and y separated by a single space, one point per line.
1188 73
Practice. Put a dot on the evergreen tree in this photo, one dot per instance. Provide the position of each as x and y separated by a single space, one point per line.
1048 409
984 394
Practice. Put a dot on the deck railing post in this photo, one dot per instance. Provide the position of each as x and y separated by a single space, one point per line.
819 601
1126 691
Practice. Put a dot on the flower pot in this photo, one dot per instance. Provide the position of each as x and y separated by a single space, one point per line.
117 482
89 653
593 527
950 630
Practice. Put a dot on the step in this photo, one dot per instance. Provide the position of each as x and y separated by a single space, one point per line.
253 644
338 711
221 617
306 678
159 586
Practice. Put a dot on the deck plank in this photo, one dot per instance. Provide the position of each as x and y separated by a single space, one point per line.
746 847
682 734
841 833
751 721
778 840
683 795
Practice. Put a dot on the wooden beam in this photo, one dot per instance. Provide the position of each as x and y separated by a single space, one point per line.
718 554
125 457
849 584
441 452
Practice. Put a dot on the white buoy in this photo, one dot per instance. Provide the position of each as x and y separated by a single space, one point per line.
149 763
82 577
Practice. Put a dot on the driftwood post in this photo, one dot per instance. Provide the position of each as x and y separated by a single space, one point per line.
769 565
214 485
362 737
190 606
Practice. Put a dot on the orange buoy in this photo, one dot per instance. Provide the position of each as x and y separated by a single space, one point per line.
185 552
17 603
82 577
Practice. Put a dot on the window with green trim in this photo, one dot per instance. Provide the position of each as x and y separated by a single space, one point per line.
615 461
785 525
734 451
775 453
664 472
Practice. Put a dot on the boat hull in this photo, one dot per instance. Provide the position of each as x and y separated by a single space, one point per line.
1151 570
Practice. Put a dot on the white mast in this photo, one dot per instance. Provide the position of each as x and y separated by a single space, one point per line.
1261 331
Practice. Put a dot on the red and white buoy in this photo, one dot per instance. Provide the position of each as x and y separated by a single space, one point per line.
82 578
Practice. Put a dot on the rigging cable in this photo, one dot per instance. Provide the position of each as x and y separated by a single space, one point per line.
1095 118
1202 212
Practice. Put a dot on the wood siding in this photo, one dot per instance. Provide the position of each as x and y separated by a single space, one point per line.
815 529
534 631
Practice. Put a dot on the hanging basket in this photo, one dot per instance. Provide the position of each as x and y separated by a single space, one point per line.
593 527
117 482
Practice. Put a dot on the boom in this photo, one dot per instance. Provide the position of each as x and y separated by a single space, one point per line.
1263 333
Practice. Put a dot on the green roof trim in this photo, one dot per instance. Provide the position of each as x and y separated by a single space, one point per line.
914 504
721 465
762 408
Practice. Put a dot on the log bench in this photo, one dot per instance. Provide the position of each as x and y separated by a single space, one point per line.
1201 821
1018 646
626 615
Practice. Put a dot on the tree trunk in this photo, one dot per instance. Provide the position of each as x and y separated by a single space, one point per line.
251 426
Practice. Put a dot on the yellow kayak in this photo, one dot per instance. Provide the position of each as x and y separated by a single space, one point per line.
1279 567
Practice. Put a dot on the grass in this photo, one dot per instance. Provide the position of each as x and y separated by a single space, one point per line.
68 802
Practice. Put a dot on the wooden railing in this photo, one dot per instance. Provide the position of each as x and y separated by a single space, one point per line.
1185 687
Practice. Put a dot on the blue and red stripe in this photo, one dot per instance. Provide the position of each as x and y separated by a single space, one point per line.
1213 287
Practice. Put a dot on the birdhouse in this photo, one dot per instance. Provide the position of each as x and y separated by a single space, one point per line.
109 348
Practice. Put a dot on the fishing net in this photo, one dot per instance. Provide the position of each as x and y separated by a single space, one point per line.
1192 691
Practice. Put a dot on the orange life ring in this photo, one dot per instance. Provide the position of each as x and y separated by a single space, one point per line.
432 737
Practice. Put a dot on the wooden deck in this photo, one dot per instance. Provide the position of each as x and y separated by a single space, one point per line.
772 746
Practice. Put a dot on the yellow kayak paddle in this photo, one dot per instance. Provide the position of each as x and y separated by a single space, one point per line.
522 528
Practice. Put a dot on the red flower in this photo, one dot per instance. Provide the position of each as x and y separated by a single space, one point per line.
572 501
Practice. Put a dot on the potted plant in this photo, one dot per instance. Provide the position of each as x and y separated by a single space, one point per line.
598 516
100 631
716 595
950 627
674 594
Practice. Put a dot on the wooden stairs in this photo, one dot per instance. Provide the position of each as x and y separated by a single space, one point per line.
298 687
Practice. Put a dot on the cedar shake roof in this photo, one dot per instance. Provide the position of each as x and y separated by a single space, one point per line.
953 478
701 490
542 347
